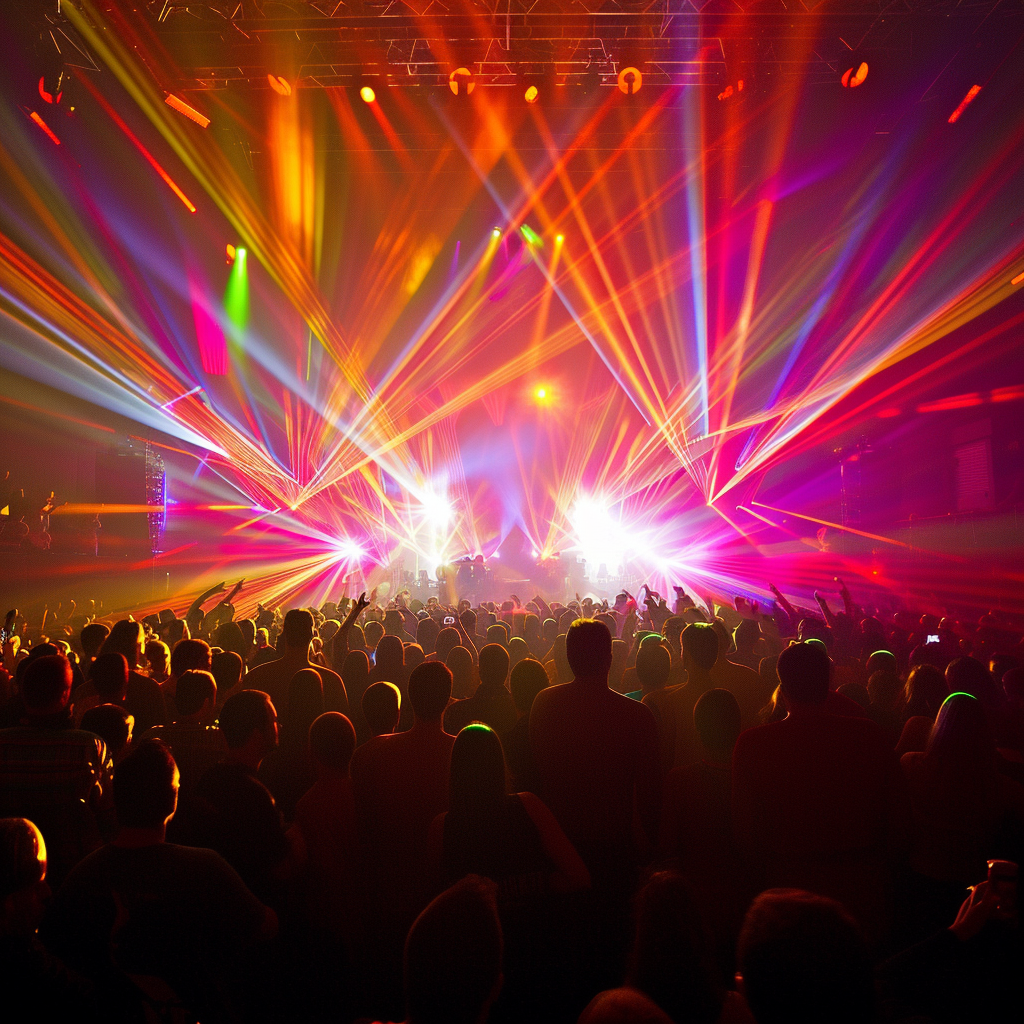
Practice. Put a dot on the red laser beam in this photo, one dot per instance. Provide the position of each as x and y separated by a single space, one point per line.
119 121
971 93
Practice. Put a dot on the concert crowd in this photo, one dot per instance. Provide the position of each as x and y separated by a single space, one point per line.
451 812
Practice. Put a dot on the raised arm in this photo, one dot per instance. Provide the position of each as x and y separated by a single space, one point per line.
194 615
340 648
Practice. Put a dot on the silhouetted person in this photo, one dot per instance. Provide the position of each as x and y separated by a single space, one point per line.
453 957
802 960
234 813
142 915
818 799
382 708
273 677
492 703
143 698
596 753
53 774
528 678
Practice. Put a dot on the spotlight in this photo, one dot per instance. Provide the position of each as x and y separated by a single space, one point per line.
530 235
730 91
279 84
630 80
531 94
51 90
853 77
230 252
367 95
560 239
436 509
495 232
460 81
541 394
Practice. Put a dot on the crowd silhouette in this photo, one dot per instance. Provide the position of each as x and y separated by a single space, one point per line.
603 812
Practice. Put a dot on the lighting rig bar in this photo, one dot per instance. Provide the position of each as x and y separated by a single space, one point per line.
325 43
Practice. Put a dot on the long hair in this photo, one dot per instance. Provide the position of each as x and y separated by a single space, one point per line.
961 742
125 637
477 782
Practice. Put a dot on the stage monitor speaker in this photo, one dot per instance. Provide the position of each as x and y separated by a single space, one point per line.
121 480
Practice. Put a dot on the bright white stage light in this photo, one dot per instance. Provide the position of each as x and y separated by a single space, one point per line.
436 509
601 536
348 548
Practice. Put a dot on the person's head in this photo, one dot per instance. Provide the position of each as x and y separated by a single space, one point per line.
372 632
884 688
670 961
745 636
499 634
229 637
700 646
672 630
189 655
468 619
389 658
653 665
305 705
248 721
413 656
882 661
549 630
195 697
23 887
924 691
528 678
226 668
146 787
447 640
968 675
623 1006
128 638
297 629
494 663
857 692
113 724
46 685
453 956
355 670
460 661
803 961
588 649
158 656
961 741
91 638
426 634
430 689
394 624
382 707
109 674
804 670
332 741
478 780
716 717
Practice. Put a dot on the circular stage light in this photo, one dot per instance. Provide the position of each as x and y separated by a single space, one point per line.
630 80
367 94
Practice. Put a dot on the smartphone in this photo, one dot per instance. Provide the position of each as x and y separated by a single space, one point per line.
449 620
932 638
1002 879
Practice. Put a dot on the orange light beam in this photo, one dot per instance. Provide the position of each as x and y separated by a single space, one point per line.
46 128
835 526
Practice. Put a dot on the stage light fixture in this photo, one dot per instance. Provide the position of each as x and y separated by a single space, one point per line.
1019 279
279 84
461 82
178 104
495 232
629 80
230 252
367 95
531 94
853 77
729 90
541 394
560 239
51 91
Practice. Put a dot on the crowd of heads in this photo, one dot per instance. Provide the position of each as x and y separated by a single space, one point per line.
594 811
